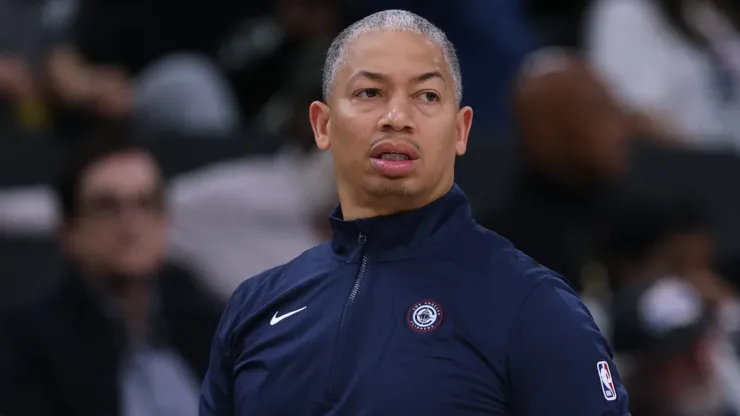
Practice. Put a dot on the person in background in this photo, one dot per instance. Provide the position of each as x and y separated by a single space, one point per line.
574 142
667 345
649 236
28 31
68 64
675 64
122 333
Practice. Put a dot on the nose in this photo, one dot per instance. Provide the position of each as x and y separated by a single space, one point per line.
397 116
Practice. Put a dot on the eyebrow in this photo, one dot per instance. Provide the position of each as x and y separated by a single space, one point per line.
375 76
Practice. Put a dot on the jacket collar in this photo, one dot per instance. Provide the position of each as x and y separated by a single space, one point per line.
397 236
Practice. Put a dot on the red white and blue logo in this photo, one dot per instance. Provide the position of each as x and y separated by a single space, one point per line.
424 316
607 383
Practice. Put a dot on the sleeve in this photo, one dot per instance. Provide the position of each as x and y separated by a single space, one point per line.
625 41
216 395
559 363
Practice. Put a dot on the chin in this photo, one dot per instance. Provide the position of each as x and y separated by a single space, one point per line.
139 268
393 188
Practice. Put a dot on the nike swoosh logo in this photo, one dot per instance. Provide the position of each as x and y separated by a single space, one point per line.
275 319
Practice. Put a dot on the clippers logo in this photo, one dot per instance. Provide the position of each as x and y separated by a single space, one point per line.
424 316
607 383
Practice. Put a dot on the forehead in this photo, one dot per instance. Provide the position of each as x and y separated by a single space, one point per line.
394 52
129 172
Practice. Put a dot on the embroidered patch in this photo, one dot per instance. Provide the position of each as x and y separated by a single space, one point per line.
424 316
607 383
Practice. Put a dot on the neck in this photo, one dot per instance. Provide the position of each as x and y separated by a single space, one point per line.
135 307
130 296
358 206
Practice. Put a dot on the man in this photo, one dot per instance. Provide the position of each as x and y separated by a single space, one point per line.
411 308
675 360
110 339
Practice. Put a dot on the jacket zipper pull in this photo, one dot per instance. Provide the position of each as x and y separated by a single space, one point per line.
362 238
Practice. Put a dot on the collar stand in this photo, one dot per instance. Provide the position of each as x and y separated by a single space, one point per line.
395 235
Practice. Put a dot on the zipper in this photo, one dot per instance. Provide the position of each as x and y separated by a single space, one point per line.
339 350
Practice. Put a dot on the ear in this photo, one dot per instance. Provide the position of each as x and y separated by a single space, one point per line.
319 114
464 122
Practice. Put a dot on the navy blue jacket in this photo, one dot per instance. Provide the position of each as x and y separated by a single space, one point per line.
421 313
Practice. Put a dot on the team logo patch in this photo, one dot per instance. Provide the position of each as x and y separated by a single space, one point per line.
424 316
607 383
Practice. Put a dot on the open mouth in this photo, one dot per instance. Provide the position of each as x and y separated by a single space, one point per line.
394 160
395 152
393 157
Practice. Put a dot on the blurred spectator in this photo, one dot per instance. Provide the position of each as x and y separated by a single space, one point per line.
574 146
121 334
676 63
243 61
302 31
228 219
53 71
669 352
28 30
650 236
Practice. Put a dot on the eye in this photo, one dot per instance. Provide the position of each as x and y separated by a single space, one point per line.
368 93
429 96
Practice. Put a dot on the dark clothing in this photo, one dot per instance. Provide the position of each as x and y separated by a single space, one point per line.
556 225
422 313
66 350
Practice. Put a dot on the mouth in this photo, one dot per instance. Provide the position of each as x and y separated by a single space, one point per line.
394 160
394 152
393 157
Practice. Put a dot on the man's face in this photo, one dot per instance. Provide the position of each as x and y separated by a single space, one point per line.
119 227
392 120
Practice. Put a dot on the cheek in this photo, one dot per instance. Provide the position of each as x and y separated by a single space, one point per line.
350 138
90 241
441 143
156 236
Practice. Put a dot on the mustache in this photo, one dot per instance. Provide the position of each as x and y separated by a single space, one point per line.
390 137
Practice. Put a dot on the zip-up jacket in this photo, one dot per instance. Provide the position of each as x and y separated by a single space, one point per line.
420 313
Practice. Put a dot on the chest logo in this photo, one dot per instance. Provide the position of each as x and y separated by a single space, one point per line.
424 316
275 319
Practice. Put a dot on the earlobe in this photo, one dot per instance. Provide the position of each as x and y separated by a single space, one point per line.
464 123
318 114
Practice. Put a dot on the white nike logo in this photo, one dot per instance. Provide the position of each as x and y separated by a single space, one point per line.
275 319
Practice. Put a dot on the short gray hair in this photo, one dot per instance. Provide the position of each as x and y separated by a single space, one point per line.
399 20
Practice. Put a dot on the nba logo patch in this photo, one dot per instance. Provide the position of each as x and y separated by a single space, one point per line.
424 316
607 383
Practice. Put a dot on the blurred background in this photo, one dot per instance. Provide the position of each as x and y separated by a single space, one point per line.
153 155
